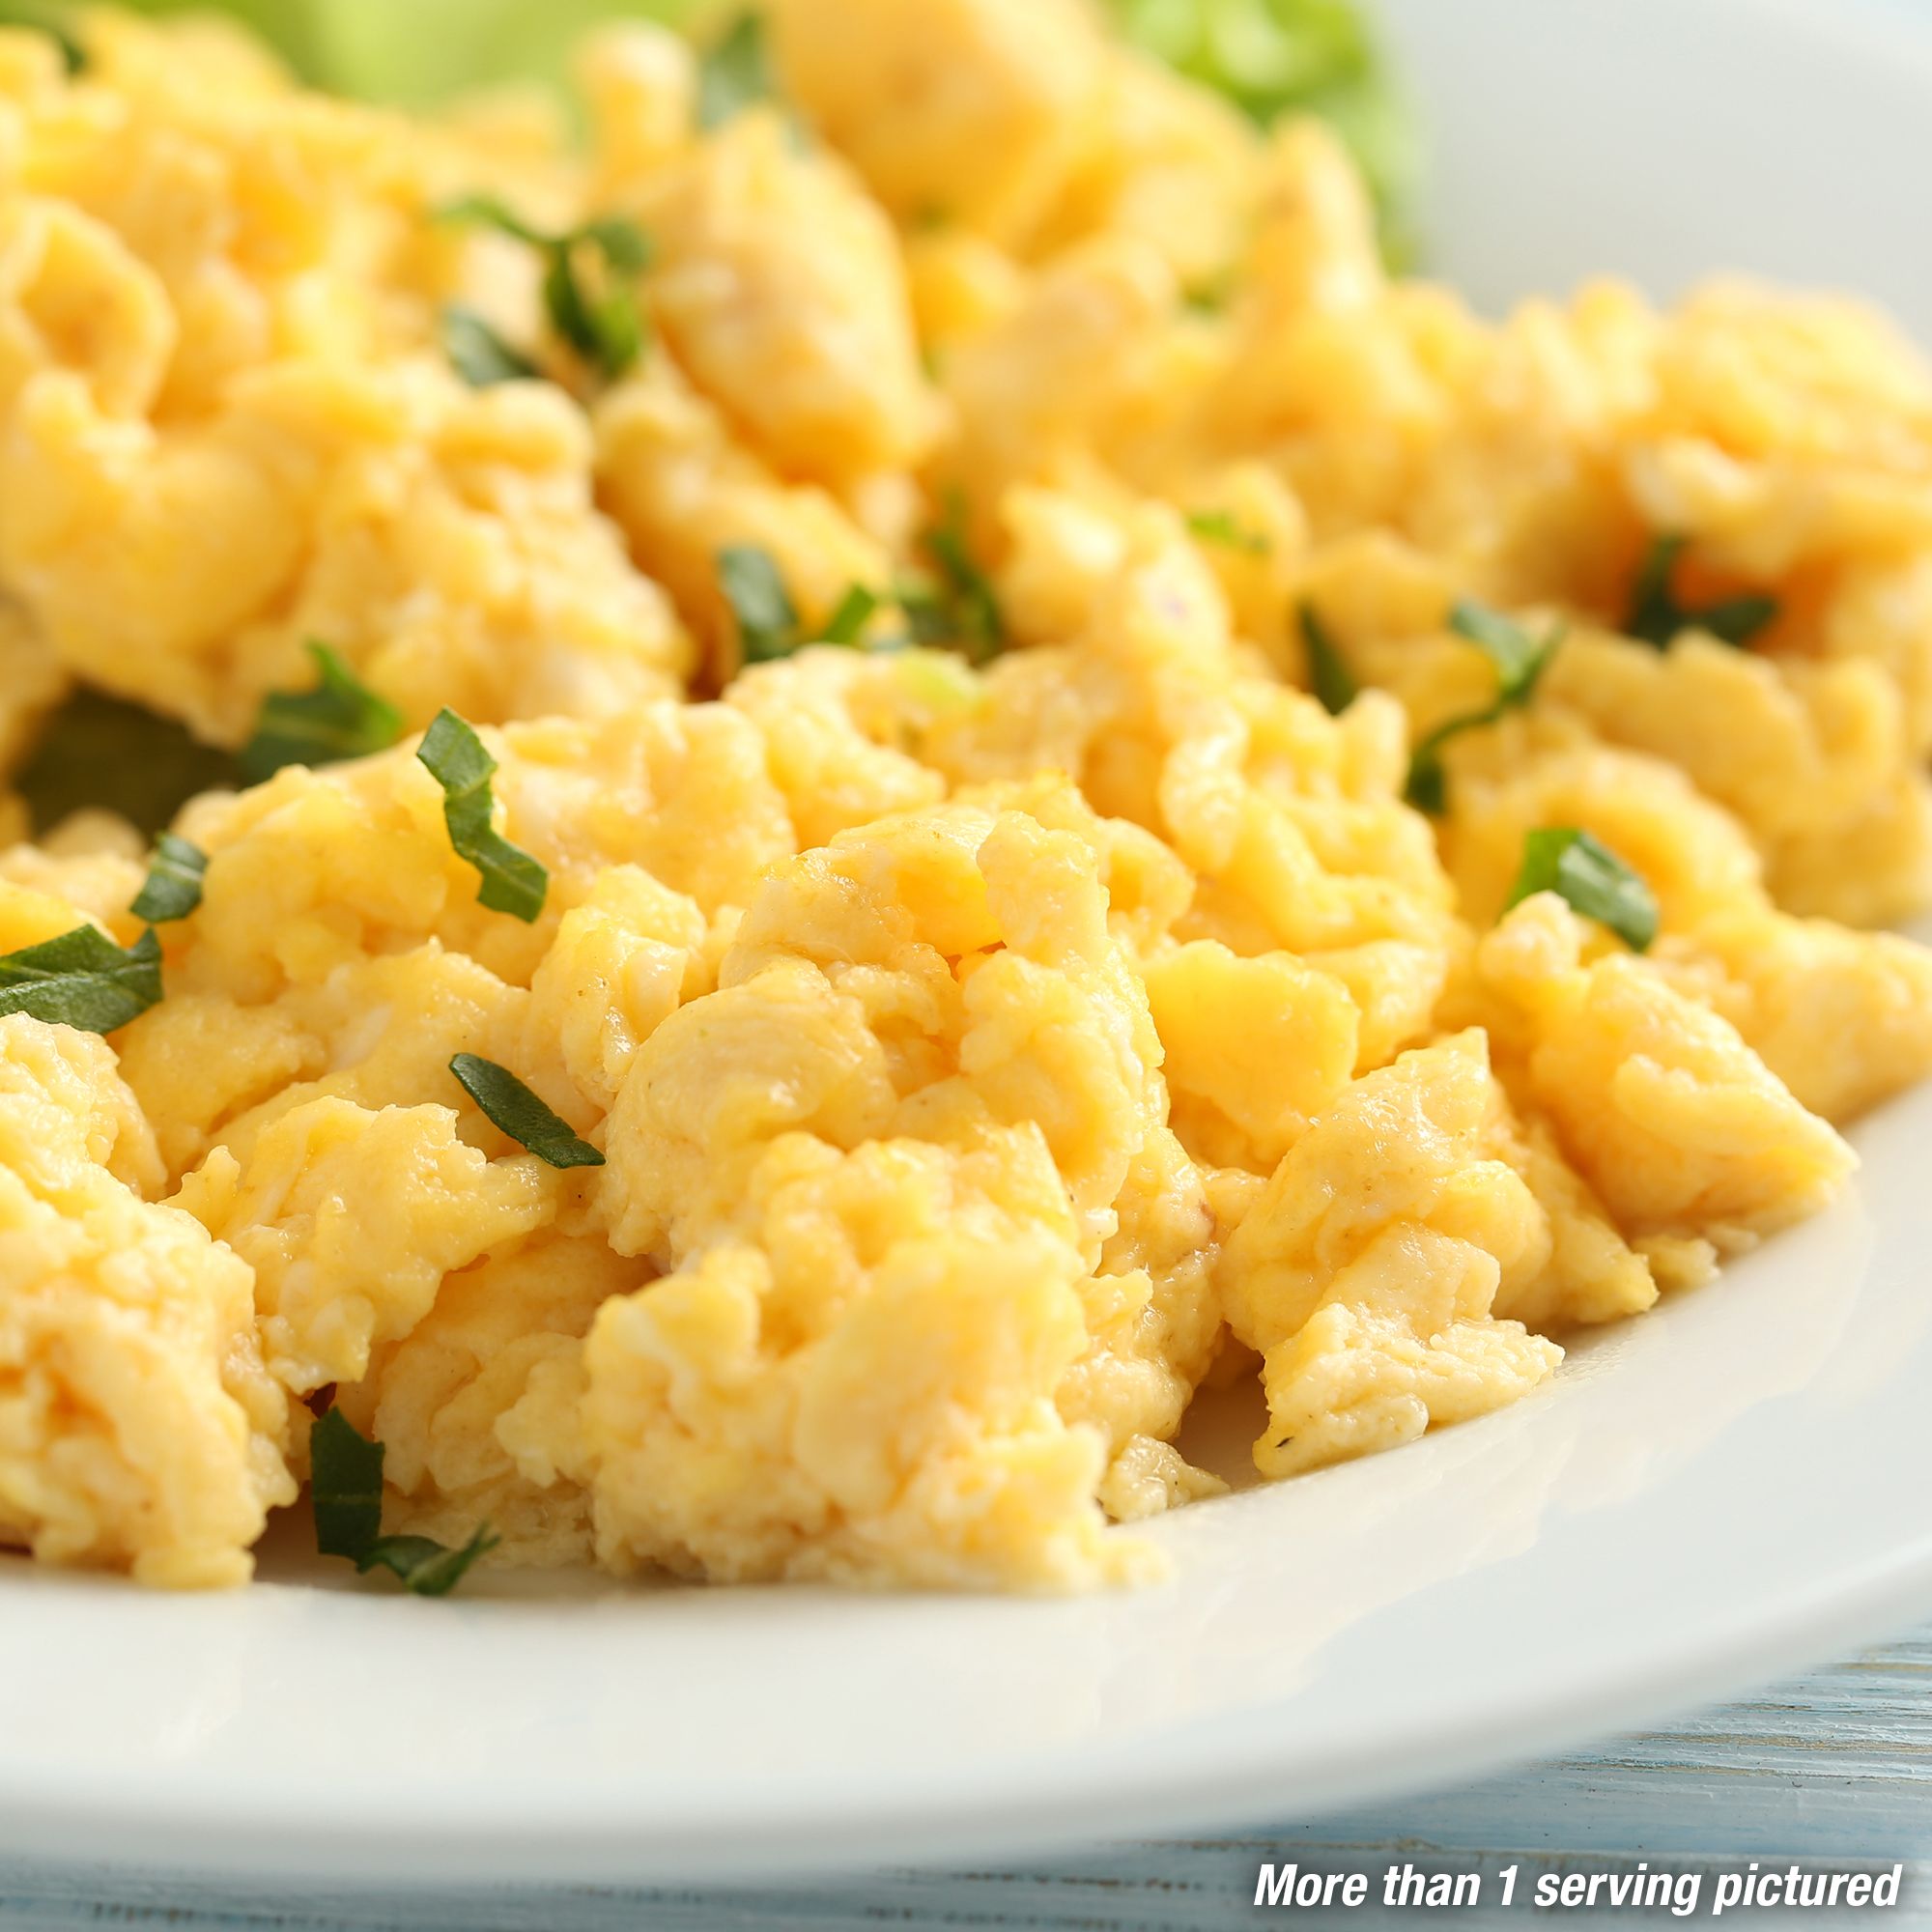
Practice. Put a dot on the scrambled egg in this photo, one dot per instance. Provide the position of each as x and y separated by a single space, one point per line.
979 1051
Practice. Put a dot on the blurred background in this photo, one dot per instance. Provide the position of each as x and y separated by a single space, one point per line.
1268 56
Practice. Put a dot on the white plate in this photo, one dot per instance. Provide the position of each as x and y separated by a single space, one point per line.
1702 1498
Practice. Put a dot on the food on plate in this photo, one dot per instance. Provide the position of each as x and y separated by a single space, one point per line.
887 769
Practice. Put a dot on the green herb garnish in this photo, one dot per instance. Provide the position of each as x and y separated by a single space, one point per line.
1327 670
1520 659
511 1106
174 875
734 72
479 354
769 626
340 718
424 1566
847 623
1593 880
82 980
454 755
1222 526
596 310
73 56
97 753
489 211
768 622
1657 618
953 606
1519 662
1209 297
1276 57
345 1487
346 1491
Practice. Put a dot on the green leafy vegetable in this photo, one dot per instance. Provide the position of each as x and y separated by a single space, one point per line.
479 354
511 1106
590 282
1519 662
340 718
346 1490
768 620
1275 56
734 72
856 610
1592 879
174 875
454 755
953 606
1655 617
97 753
1327 670
82 980
1222 526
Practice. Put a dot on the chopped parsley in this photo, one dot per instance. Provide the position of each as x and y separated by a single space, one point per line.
1209 297
1223 528
340 718
346 1489
427 1568
1656 617
590 282
83 979
73 56
1328 672
847 623
174 875
769 625
98 753
735 73
768 622
510 1105
1321 57
1592 879
953 606
1520 659
478 353
1519 662
454 755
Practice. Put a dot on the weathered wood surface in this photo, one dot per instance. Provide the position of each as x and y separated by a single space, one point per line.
1834 1766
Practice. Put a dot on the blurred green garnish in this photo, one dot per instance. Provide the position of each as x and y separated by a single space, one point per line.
478 353
953 605
1328 672
1275 56
1583 872
589 288
339 718
1270 56
99 754
47 20
735 73
1519 660
1659 618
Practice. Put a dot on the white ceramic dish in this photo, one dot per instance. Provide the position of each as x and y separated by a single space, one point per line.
1700 1499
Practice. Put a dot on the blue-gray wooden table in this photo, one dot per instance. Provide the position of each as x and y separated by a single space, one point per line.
1832 1768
